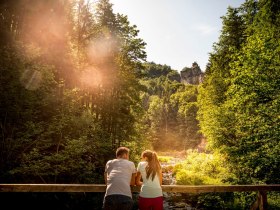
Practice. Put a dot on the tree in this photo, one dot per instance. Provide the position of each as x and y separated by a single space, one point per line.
185 102
253 100
241 121
52 119
212 92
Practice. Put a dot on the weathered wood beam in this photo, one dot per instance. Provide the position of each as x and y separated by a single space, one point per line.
219 188
165 188
52 188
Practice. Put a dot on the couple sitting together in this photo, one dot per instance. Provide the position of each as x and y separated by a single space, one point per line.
121 173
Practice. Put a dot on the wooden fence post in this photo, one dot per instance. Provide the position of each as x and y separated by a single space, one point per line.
261 202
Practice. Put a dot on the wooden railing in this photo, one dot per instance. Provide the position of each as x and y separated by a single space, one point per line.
260 203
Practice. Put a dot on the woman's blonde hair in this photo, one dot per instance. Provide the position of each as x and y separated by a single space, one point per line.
153 166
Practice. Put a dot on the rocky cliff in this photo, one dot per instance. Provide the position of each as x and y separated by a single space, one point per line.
192 75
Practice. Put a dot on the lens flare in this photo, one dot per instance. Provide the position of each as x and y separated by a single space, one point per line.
101 50
31 79
91 77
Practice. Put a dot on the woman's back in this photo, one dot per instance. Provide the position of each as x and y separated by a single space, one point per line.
150 187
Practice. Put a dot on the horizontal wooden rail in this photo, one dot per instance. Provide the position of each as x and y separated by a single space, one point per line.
165 188
260 203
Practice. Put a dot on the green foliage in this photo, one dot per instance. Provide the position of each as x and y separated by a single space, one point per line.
75 85
153 71
221 201
202 168
164 159
239 100
56 126
60 153
255 89
273 199
184 101
74 164
171 109
27 96
117 57
205 169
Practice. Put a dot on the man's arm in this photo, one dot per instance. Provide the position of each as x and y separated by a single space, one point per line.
132 181
105 177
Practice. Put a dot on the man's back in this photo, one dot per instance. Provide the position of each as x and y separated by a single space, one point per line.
119 175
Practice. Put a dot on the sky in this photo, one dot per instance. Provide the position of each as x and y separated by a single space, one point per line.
177 32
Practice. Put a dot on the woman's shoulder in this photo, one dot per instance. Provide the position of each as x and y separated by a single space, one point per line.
142 163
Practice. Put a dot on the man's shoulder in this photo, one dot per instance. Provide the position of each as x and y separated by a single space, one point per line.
128 162
110 161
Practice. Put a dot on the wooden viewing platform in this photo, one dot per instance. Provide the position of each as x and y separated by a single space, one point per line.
260 203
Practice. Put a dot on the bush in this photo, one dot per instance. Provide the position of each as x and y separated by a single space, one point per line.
164 159
203 169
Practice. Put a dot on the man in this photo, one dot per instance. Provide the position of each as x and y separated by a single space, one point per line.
119 174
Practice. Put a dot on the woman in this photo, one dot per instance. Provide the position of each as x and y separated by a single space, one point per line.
149 171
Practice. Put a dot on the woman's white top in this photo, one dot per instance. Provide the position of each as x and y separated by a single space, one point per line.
150 188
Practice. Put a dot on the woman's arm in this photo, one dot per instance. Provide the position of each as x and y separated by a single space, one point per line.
138 179
160 177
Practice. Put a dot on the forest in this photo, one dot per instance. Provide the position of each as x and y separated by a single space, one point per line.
75 84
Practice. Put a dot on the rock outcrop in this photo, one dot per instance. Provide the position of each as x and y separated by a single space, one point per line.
192 75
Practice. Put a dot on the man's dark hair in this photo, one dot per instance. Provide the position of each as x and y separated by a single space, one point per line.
121 151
